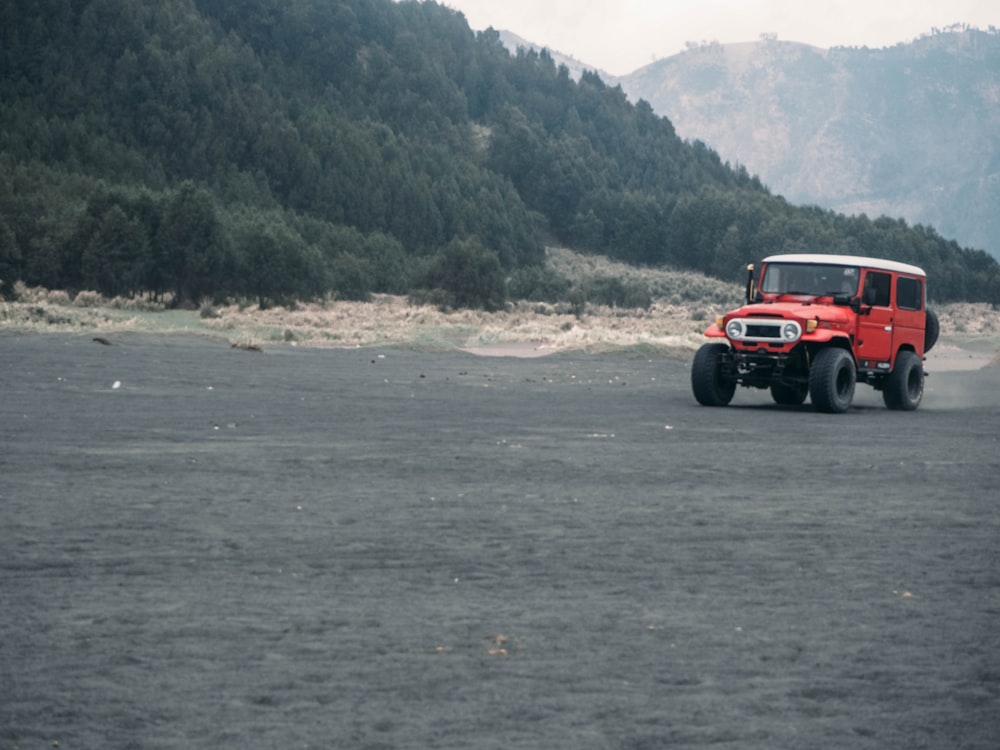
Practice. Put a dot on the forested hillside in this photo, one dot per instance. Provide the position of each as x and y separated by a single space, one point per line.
290 149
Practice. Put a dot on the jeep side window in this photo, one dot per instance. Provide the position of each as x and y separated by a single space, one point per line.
877 288
909 294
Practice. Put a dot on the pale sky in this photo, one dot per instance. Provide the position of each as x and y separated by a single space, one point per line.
620 36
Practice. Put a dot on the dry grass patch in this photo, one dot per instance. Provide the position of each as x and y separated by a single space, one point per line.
664 285
392 320
684 304
968 319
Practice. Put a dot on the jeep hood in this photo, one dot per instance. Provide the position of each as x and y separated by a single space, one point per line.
830 317
796 309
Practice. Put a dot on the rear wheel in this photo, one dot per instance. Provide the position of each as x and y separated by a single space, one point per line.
789 395
831 380
904 388
708 380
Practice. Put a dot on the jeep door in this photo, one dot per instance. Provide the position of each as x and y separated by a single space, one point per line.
908 327
876 321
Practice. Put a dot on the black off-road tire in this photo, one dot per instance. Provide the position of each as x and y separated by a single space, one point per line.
710 385
904 388
789 395
932 329
831 380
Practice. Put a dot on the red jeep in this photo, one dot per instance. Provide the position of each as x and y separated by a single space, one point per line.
817 324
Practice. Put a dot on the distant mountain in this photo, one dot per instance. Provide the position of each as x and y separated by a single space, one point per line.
911 131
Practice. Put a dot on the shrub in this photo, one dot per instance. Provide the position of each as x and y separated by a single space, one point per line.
613 292
468 274
577 301
207 309
58 297
21 292
87 298
434 297
537 284
142 303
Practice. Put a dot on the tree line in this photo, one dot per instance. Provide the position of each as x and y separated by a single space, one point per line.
295 149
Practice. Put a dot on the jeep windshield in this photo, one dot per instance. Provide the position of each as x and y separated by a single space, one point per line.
810 279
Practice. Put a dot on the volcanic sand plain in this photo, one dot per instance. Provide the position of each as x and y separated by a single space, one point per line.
389 547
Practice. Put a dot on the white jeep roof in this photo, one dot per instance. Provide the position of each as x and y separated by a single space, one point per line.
847 260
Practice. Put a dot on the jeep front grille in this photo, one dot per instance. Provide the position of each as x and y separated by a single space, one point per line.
762 331
772 330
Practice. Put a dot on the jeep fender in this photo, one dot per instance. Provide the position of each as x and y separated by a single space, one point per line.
826 336
714 332
837 341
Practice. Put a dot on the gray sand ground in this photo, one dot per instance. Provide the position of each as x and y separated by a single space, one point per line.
386 548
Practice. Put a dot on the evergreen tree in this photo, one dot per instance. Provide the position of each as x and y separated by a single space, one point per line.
10 259
190 248
115 257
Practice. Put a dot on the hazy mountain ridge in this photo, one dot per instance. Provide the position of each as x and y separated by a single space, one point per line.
513 42
911 131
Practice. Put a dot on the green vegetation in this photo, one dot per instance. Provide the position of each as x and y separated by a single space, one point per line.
298 149
913 129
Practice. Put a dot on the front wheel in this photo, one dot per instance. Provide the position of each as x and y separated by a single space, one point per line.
905 385
708 380
831 380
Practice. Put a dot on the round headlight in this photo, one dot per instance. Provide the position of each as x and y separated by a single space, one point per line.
734 329
791 331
